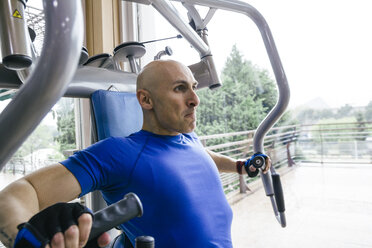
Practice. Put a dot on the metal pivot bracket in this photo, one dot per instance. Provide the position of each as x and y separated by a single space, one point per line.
208 71
195 18
129 51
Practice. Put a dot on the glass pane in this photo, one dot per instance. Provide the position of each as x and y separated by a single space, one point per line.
53 138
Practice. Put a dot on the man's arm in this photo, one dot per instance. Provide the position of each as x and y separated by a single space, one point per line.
224 163
227 164
27 196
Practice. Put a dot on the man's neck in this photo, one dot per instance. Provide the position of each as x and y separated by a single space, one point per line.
160 131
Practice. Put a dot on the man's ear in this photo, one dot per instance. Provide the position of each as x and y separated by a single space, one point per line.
144 99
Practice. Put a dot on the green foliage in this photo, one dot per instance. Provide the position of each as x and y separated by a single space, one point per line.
334 120
344 114
368 113
39 149
41 138
287 119
344 111
66 124
246 96
361 126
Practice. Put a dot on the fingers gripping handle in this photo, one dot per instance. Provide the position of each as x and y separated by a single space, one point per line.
122 211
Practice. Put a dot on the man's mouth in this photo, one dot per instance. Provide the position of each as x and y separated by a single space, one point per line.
190 115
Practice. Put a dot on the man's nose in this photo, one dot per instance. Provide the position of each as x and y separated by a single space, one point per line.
193 100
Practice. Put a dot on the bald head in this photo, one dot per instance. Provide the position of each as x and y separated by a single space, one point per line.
166 93
160 72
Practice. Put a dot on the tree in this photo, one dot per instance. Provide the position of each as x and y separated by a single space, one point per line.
325 114
32 154
344 111
368 113
246 96
361 126
65 124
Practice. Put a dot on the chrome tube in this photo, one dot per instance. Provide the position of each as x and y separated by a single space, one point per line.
86 80
15 38
90 79
49 81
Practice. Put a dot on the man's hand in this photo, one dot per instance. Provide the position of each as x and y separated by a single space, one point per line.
265 169
251 170
77 235
65 225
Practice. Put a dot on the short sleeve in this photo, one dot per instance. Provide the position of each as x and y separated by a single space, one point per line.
99 165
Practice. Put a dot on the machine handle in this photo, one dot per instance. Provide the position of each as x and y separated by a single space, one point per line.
278 192
145 242
118 213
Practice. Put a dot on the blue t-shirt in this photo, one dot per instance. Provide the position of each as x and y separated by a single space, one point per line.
175 178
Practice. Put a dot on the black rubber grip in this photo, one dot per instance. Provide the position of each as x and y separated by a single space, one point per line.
118 213
278 191
145 242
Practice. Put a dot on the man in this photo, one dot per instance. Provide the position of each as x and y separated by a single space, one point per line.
164 164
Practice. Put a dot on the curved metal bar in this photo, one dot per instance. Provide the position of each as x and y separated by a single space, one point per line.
170 13
281 79
48 82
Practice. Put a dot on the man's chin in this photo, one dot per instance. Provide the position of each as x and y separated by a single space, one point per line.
187 127
190 129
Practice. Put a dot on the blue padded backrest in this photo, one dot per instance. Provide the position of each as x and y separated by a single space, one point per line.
116 113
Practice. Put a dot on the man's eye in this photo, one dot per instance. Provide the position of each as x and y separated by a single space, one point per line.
180 88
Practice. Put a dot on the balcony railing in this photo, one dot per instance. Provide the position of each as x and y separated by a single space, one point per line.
318 143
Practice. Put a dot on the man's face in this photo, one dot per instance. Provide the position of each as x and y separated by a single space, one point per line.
175 100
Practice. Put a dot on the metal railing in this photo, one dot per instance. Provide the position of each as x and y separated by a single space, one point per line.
335 143
288 145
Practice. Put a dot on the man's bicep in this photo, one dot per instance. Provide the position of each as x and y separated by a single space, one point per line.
54 184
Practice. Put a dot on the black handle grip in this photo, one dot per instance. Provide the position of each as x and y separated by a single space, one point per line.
145 242
278 192
122 211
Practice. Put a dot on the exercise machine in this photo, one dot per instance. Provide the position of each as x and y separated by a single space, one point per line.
23 71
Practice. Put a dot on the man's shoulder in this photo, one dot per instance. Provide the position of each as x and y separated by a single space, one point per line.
112 142
192 136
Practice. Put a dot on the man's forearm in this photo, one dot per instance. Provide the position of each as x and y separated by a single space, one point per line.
224 163
18 203
6 239
26 197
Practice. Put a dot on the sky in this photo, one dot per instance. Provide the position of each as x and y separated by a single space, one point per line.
325 46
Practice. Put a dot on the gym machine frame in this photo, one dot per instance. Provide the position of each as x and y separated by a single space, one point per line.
62 45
